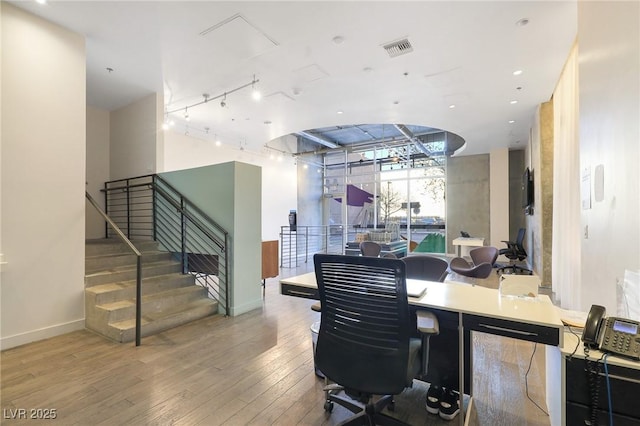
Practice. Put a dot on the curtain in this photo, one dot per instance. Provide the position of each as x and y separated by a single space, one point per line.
566 249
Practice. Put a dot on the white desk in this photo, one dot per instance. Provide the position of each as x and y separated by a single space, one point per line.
478 309
467 242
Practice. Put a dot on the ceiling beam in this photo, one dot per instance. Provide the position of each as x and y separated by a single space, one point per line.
412 138
318 139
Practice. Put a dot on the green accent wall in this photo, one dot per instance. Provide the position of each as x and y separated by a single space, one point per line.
231 194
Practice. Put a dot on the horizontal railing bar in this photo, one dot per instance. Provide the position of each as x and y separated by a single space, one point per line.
213 238
196 208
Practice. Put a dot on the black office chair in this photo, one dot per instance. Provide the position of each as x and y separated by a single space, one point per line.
364 343
482 260
424 267
370 248
515 252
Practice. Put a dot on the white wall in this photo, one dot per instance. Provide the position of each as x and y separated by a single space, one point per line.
279 177
136 135
97 167
43 175
609 65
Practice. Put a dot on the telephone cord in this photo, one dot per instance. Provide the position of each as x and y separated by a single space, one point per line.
606 375
593 380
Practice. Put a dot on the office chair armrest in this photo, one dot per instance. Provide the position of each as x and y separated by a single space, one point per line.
427 323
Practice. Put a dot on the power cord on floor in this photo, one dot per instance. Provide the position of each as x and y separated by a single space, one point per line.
526 381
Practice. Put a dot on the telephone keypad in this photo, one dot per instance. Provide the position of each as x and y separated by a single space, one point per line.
619 342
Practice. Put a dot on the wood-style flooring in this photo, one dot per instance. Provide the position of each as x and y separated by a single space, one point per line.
253 369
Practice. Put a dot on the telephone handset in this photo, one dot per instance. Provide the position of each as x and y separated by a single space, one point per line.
617 335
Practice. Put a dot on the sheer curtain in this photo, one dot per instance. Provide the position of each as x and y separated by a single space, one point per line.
566 251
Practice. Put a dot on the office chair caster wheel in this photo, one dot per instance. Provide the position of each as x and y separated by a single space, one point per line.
328 406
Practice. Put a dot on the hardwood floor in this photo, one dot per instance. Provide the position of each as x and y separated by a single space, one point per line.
253 369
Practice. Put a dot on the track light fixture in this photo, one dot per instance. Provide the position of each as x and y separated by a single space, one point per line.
255 93
223 102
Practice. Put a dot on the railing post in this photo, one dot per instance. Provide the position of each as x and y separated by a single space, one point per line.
183 239
139 301
281 247
153 206
106 209
128 210
306 244
226 274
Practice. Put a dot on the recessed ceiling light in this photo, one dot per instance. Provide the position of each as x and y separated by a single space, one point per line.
513 102
452 106
367 69
522 22
41 1
340 112
512 121
267 122
396 102
517 72
338 39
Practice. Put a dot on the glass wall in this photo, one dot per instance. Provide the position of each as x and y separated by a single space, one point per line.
387 193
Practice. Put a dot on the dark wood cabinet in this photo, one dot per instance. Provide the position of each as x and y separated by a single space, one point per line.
581 388
269 261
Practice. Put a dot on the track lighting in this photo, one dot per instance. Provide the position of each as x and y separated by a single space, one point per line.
223 102
255 93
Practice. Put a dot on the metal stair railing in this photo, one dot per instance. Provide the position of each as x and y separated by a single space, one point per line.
118 232
149 208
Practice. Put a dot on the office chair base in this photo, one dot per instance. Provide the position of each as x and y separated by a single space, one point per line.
369 414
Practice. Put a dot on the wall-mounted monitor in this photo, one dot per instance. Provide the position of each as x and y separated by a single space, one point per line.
527 189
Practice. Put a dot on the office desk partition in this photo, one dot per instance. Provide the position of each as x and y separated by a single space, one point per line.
477 309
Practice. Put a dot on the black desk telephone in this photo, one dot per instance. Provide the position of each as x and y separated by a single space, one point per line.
616 335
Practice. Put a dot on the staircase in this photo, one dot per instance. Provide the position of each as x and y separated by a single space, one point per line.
169 297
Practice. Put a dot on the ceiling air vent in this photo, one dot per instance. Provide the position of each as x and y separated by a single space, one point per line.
398 48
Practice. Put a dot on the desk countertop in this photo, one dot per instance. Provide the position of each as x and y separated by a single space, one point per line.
473 300
468 241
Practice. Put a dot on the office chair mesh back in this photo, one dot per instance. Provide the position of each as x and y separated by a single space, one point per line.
363 341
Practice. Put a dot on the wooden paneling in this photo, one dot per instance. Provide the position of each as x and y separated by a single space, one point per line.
269 259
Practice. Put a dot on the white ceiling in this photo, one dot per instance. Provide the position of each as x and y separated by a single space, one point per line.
464 53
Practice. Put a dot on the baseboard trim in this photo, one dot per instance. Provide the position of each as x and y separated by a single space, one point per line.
40 334
238 310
